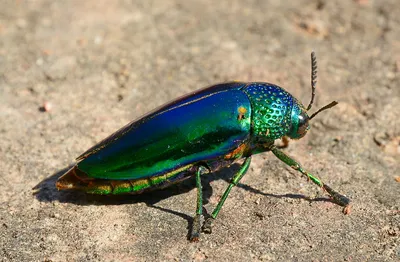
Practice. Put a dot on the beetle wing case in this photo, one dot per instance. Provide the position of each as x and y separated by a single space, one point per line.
200 127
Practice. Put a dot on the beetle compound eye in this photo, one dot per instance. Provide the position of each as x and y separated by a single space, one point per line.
303 125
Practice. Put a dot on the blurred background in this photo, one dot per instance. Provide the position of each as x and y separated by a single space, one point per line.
73 72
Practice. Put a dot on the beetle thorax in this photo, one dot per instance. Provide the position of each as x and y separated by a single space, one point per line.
271 110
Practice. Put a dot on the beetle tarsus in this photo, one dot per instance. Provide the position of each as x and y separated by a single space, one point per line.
207 226
338 198
195 232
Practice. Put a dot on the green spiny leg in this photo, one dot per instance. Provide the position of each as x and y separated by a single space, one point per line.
195 234
338 198
235 180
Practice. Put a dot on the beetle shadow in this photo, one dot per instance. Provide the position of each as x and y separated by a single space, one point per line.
45 191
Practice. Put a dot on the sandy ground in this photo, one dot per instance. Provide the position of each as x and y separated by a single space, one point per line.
72 72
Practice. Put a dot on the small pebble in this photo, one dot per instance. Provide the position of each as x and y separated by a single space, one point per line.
46 107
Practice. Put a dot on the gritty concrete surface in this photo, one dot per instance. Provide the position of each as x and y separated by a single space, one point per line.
72 72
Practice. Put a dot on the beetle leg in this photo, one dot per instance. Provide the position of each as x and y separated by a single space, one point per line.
285 142
195 234
234 181
337 198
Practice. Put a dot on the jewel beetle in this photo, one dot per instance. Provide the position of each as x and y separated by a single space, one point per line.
198 134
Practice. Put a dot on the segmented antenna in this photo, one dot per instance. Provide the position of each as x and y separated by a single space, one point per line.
331 104
313 78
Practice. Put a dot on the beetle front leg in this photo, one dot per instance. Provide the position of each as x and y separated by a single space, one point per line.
234 181
195 233
337 198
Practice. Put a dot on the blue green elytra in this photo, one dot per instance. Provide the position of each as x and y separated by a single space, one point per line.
194 135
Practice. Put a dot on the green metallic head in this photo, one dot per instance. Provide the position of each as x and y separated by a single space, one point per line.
299 117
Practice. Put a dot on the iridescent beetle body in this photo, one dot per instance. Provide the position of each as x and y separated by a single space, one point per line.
193 135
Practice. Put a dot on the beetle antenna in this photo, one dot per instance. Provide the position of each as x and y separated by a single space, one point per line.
313 78
331 104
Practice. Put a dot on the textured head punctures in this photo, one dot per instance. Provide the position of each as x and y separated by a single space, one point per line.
271 109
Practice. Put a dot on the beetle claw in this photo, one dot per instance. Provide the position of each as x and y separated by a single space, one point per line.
194 237
347 209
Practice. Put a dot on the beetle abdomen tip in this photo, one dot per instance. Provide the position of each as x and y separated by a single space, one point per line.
72 179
